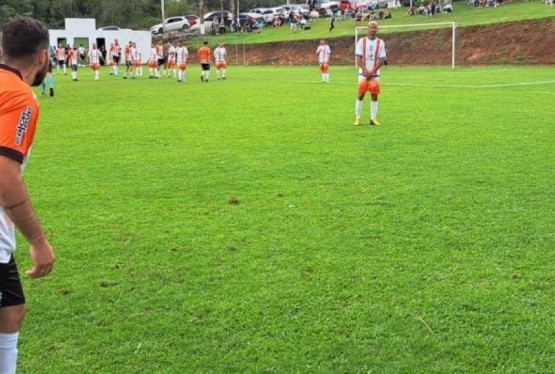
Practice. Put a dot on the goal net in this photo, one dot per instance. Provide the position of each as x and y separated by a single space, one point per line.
417 44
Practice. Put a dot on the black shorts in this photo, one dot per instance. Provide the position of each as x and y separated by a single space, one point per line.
161 61
11 291
61 62
115 59
205 66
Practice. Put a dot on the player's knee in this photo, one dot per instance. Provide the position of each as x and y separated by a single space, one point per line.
11 318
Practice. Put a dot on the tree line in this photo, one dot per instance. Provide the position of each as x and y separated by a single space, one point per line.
133 14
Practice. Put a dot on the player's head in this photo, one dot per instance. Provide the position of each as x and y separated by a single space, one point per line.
221 44
25 44
322 41
205 42
372 28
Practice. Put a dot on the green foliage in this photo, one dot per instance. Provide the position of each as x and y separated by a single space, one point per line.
247 226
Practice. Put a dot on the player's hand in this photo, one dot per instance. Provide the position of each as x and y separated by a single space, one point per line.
42 257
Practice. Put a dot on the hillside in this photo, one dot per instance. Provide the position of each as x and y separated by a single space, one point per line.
526 42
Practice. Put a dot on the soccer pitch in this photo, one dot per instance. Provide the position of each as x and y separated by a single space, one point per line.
247 226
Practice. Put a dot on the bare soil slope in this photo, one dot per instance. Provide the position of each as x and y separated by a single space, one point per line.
525 42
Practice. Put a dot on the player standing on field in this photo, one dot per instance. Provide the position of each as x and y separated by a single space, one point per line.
370 54
204 54
171 61
73 61
324 54
95 55
181 54
220 54
24 64
60 55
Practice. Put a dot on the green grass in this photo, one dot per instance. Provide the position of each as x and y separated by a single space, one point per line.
246 226
464 15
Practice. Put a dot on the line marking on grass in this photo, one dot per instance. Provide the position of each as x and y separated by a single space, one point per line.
497 85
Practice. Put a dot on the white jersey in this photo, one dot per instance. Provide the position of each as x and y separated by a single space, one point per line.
94 56
134 54
72 57
324 53
371 50
220 54
181 54
171 53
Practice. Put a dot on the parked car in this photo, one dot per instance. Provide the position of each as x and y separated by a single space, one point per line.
344 5
328 8
224 15
110 28
171 24
268 13
194 21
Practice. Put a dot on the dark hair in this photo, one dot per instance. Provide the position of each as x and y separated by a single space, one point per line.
23 37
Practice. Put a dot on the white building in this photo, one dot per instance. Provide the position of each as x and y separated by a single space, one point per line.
83 31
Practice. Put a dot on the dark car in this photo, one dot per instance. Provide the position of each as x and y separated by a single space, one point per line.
221 15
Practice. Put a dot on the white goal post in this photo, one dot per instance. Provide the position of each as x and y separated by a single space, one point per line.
361 31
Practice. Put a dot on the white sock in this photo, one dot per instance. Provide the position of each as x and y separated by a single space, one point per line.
223 73
358 108
327 77
96 75
206 74
73 75
373 109
8 353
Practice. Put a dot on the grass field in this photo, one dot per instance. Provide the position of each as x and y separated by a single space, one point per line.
245 226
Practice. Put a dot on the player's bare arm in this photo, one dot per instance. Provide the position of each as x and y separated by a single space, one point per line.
15 203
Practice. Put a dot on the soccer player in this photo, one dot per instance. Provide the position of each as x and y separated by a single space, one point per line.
128 56
60 55
50 79
204 55
115 56
24 64
95 56
81 51
181 54
171 70
324 52
153 62
73 60
220 54
370 54
137 61
161 60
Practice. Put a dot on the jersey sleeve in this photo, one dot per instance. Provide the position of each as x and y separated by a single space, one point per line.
18 118
381 53
358 50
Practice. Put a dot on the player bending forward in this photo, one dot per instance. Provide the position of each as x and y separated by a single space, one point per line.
370 54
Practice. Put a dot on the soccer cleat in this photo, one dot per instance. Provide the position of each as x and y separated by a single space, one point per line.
357 122
202 78
51 92
374 122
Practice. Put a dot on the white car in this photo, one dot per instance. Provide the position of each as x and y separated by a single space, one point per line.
268 14
171 24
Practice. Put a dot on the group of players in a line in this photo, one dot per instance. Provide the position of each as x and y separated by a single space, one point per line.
172 64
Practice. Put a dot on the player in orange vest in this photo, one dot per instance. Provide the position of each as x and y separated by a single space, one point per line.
204 55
